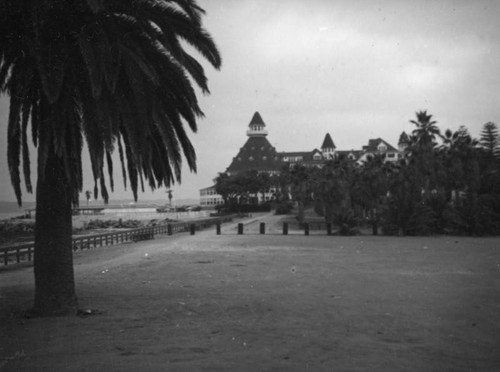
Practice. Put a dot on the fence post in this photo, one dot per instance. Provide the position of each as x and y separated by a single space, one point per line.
306 229
285 228
217 228
169 229
240 229
262 228
328 229
192 228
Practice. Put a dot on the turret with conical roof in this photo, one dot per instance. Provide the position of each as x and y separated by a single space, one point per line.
328 147
404 141
256 126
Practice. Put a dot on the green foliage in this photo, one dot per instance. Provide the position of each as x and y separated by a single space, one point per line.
346 222
284 207
108 74
242 188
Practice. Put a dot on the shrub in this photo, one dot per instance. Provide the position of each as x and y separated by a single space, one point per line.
346 221
285 207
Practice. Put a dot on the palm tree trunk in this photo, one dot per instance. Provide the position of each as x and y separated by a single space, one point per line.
300 216
373 217
53 262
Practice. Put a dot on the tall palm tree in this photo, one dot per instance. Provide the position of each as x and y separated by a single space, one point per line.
113 74
422 149
426 131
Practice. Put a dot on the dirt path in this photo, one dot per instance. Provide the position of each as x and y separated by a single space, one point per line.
268 303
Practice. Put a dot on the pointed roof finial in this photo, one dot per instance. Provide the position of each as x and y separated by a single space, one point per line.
328 142
256 119
404 138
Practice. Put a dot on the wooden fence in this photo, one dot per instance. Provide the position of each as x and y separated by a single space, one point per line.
25 252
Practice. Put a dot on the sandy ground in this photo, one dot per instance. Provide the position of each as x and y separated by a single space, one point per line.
267 303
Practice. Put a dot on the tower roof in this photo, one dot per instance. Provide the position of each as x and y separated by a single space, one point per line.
404 139
258 154
328 142
256 119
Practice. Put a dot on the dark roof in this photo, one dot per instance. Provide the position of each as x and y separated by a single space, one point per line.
373 145
328 142
296 153
256 119
257 153
404 139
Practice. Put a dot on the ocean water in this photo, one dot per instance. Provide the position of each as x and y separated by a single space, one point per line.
11 209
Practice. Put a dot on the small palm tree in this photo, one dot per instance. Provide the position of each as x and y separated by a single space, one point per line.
169 192
114 74
88 195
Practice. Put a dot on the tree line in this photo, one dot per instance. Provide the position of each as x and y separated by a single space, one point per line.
445 183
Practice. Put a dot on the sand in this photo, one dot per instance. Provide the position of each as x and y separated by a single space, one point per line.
267 303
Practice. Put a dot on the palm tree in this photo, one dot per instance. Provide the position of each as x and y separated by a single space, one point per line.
88 195
170 196
426 131
113 74
422 149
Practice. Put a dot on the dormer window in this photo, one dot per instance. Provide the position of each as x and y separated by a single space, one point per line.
382 147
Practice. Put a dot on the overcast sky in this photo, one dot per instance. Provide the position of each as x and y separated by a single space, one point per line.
355 69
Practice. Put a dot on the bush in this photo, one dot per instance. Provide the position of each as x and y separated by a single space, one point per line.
347 222
244 208
285 207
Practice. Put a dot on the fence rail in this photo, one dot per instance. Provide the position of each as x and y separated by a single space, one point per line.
25 252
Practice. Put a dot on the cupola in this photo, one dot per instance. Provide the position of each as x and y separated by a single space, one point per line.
256 126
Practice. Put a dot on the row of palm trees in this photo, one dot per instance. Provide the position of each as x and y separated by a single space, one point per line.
446 183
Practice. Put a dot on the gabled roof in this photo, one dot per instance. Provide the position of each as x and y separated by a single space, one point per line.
257 119
374 143
328 142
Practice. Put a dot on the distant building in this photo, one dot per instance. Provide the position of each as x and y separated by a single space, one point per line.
258 154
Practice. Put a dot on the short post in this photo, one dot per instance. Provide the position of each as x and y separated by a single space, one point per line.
285 228
192 228
169 229
306 229
262 228
328 228
240 229
217 228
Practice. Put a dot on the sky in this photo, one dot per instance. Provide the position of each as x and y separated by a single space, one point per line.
354 69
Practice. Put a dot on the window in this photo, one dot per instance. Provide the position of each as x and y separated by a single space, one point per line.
391 155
